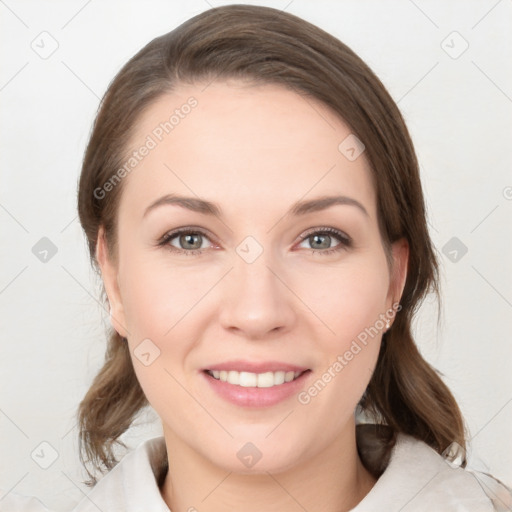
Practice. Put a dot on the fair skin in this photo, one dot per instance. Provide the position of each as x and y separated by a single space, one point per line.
254 151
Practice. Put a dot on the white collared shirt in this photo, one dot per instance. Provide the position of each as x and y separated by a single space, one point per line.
416 479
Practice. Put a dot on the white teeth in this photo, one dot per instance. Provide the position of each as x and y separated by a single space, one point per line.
288 376
246 379
279 378
233 377
253 380
265 380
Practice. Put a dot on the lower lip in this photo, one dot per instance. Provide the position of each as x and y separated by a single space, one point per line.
256 397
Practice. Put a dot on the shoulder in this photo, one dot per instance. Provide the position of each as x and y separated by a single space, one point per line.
132 485
418 479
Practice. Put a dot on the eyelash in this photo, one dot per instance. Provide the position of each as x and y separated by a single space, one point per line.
345 241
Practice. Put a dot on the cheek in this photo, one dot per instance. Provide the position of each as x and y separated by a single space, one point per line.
157 304
163 304
157 296
349 299
350 304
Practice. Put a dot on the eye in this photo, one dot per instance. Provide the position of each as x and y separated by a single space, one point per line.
190 241
320 240
185 241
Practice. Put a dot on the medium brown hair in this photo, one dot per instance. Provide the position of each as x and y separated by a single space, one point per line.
267 46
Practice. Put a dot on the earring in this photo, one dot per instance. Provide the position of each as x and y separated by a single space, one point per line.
388 325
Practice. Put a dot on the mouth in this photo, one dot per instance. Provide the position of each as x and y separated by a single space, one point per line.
250 383
245 379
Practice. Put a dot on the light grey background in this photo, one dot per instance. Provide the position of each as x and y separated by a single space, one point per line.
457 105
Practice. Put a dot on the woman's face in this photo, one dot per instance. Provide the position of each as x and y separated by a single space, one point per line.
268 281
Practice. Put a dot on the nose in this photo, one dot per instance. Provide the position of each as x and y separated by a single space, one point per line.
256 300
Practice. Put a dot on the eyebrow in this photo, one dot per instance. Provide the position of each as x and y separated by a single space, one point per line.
299 208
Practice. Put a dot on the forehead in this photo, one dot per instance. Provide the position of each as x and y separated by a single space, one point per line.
244 145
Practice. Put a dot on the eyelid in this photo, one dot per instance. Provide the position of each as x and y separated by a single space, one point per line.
344 239
169 235
187 229
331 231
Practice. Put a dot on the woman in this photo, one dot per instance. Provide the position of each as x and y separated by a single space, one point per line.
251 197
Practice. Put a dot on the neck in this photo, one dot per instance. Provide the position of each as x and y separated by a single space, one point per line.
333 480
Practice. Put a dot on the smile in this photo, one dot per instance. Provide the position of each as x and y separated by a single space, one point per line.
254 380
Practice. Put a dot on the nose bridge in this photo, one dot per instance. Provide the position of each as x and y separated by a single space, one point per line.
256 300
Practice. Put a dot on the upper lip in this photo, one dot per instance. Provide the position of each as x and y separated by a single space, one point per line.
256 367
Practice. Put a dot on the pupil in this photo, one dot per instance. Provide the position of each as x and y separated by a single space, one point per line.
322 241
190 239
325 237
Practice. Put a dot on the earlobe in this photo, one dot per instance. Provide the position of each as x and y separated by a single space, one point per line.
109 277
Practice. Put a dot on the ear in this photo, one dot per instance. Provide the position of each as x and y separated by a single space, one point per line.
400 253
109 276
